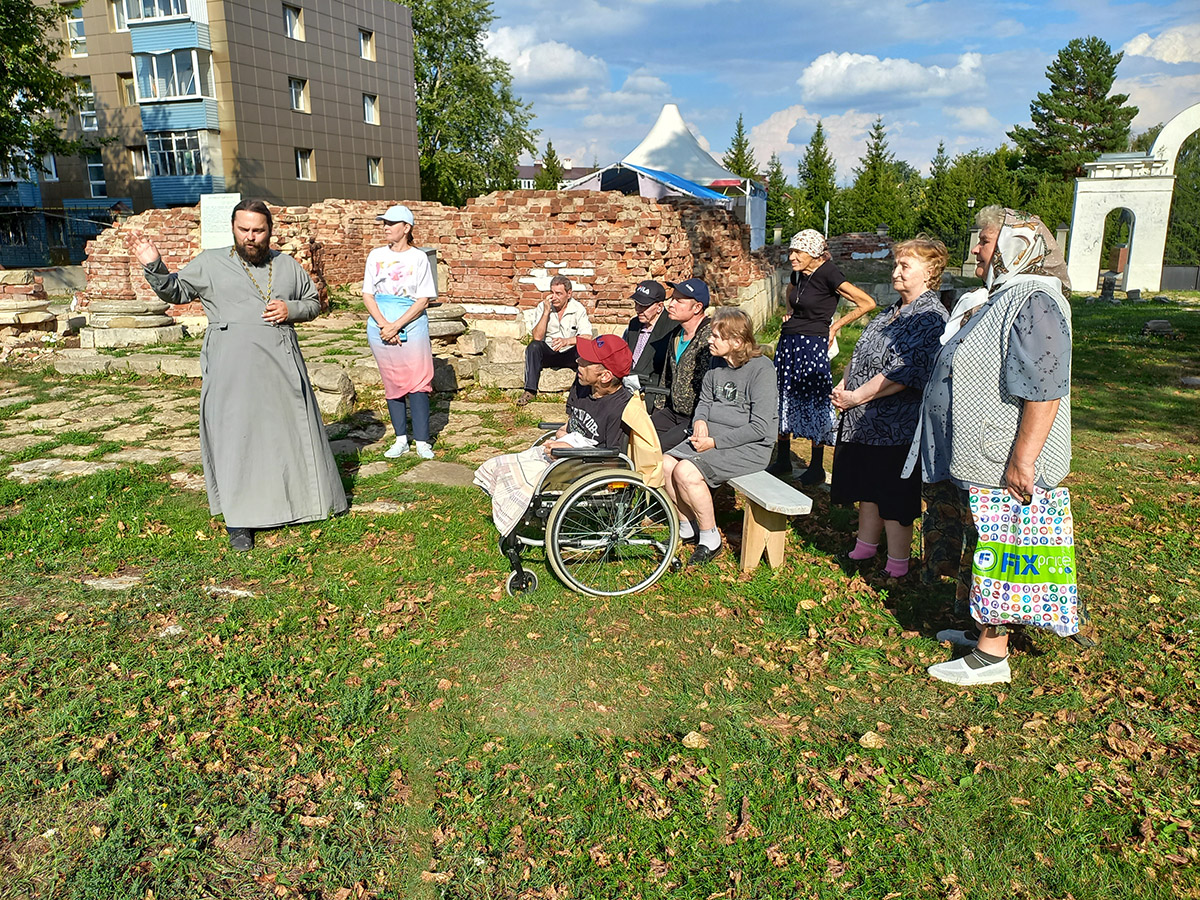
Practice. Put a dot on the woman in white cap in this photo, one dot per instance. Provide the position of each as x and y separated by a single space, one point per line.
802 355
397 286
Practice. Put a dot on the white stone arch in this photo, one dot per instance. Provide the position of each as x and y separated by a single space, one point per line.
1140 182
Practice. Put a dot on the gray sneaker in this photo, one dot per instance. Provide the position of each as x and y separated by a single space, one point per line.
958 672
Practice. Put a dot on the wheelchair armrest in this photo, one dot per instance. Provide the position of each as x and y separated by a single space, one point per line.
550 426
654 390
584 453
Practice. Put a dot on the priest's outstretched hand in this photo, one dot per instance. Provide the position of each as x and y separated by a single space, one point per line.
142 247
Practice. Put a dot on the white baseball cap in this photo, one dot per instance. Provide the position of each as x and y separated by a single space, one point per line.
397 213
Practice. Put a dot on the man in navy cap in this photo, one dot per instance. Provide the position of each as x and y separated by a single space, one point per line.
688 359
647 335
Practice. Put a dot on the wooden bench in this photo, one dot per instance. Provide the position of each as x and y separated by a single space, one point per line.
769 503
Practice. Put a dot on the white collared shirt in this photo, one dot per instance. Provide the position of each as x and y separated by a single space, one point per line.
574 322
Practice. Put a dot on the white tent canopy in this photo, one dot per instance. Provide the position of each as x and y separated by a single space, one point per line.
671 147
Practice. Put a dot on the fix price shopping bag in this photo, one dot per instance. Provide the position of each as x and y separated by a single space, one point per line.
1024 567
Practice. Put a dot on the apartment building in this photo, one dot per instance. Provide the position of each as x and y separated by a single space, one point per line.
293 101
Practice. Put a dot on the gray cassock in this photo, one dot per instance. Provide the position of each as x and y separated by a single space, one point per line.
266 456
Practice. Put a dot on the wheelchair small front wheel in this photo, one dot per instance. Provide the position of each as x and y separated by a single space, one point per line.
520 583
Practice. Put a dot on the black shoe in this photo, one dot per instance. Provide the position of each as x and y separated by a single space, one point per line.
240 539
689 540
702 555
811 476
781 467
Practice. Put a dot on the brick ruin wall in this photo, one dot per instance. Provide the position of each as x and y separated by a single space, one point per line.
496 254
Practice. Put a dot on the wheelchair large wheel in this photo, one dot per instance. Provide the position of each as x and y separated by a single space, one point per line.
611 534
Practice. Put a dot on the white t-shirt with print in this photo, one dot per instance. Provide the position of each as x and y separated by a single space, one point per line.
403 274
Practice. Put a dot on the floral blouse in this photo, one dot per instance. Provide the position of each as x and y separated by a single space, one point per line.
902 343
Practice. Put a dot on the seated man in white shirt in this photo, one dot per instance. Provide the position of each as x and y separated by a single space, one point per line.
557 324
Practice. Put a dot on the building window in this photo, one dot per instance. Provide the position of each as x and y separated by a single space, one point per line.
126 11
49 168
139 161
371 109
118 16
298 90
13 231
293 22
126 89
173 75
304 165
178 153
95 172
374 170
87 104
76 38
366 44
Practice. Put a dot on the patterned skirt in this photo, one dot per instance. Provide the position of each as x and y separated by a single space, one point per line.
802 366
406 367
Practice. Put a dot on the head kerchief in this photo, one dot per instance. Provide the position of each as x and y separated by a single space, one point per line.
1026 251
809 241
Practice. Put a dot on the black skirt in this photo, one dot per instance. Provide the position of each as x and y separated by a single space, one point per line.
865 473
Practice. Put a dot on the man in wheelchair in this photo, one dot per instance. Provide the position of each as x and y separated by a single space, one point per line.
602 415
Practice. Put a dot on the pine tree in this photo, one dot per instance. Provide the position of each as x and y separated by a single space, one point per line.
739 158
943 210
552 171
1077 119
817 180
878 197
779 198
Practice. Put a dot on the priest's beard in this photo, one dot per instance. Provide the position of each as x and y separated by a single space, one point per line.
255 254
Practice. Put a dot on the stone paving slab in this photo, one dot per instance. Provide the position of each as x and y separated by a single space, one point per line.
434 471
41 469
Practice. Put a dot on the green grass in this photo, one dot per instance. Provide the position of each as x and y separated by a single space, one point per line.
379 719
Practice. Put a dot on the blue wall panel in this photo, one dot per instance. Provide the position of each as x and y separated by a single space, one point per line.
184 190
20 193
156 38
180 115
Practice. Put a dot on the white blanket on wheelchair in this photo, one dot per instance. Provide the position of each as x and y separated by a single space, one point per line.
512 478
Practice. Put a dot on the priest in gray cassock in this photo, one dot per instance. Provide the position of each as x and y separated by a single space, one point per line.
266 457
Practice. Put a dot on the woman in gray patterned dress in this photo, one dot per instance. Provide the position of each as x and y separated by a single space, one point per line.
1004 420
879 397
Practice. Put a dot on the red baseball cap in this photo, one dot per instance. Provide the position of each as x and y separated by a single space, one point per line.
609 351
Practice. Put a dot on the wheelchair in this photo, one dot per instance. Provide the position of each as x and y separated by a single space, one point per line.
605 532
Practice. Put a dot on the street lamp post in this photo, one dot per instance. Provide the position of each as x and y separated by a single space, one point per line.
970 223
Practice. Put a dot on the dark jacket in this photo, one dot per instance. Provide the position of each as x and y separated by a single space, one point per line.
650 365
683 379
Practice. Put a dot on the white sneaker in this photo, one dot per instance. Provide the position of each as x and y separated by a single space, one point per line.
957 637
397 449
424 450
958 672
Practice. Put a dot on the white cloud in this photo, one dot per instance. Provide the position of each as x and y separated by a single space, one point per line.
550 67
1159 98
974 119
788 131
845 76
1175 45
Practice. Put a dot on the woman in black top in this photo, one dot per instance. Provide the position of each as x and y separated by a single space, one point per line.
802 355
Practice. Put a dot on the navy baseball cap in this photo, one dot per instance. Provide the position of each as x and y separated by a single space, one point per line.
694 288
648 293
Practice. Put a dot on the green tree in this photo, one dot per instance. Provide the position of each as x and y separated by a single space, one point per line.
943 208
1078 118
552 171
34 94
471 127
878 196
1183 229
739 158
780 198
817 180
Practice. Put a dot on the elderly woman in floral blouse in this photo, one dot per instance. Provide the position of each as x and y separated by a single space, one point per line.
880 400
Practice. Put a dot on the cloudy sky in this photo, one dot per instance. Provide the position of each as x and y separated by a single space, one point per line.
962 71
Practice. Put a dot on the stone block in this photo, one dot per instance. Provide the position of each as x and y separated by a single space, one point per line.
465 367
129 337
150 306
329 377
16 276
444 376
180 366
501 375
557 379
97 320
472 343
140 363
447 329
335 406
505 351
81 365
445 311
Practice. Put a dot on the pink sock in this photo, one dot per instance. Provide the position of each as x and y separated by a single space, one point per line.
863 550
896 568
